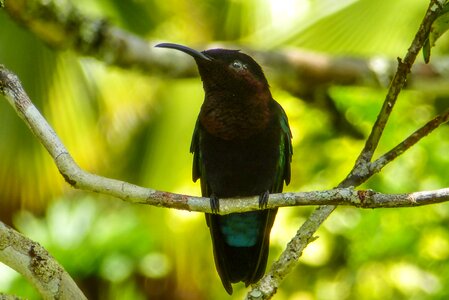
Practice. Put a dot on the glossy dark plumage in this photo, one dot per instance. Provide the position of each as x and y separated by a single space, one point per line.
242 147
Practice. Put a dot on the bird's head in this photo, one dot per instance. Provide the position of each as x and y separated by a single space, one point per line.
224 69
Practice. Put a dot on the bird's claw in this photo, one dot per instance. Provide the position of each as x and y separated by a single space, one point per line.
263 199
214 204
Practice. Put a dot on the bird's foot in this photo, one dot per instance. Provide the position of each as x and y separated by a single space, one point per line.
214 204
263 199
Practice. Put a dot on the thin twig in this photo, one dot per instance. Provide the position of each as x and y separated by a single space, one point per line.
399 79
267 286
411 140
361 168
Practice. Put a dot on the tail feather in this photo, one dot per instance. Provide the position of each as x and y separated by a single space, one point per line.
243 262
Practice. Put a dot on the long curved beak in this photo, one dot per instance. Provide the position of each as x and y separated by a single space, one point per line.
192 52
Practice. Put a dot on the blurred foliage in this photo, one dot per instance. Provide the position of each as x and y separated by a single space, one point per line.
137 128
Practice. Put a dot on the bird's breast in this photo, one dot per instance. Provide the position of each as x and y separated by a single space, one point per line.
234 117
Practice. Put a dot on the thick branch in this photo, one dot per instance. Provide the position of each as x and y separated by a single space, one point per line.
62 26
304 74
12 89
37 265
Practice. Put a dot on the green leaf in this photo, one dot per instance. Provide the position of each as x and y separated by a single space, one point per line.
439 27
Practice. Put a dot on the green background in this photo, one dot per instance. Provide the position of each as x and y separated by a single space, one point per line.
137 127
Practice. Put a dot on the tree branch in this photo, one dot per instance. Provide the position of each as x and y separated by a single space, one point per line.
398 82
34 262
267 286
362 165
303 74
112 45
411 140
12 89
294 70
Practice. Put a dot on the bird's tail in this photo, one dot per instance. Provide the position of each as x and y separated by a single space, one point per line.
241 242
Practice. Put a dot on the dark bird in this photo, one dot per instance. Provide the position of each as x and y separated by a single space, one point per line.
241 147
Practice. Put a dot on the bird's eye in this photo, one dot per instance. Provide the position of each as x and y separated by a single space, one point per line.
238 65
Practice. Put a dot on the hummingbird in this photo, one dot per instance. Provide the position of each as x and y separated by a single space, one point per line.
241 147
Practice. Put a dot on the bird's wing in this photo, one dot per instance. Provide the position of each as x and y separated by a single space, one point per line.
198 170
283 172
194 148
282 175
